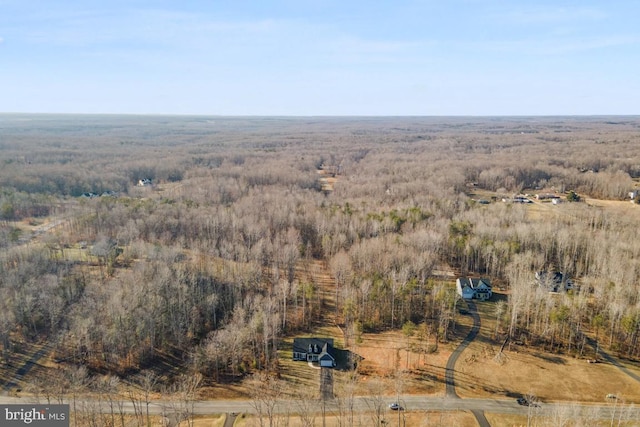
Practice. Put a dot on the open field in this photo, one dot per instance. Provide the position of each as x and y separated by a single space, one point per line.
431 419
501 420
413 419
530 371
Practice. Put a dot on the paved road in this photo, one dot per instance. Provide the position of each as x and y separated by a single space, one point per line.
362 404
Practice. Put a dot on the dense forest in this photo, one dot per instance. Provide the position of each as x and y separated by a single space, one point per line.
203 261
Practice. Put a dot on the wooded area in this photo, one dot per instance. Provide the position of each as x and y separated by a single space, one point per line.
204 264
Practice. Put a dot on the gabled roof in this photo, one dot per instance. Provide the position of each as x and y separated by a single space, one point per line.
547 276
464 282
479 283
326 356
474 283
317 345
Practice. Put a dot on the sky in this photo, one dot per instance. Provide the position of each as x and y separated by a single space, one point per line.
322 57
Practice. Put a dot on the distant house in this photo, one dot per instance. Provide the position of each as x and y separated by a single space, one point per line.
547 196
517 199
553 281
318 350
469 288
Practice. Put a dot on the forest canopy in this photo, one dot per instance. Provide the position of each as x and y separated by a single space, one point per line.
188 235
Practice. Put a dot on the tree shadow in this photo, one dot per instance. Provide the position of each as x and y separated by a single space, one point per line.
551 358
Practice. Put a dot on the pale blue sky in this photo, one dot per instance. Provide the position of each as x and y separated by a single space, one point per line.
324 57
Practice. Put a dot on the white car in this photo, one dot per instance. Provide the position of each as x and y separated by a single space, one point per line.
395 407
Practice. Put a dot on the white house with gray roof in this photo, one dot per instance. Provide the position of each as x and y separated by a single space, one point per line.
469 288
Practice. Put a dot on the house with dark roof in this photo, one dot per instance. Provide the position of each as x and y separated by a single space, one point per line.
317 350
469 288
554 281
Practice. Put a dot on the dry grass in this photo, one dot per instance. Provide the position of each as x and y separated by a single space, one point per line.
551 377
478 374
382 355
217 421
223 392
385 353
504 420
408 419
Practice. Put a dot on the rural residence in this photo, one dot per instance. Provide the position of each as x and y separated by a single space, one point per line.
469 288
318 350
553 281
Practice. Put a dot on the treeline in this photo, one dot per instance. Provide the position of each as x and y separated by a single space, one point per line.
17 206
212 264
67 155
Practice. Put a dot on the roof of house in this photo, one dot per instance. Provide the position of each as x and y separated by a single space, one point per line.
318 345
473 283
326 356
555 276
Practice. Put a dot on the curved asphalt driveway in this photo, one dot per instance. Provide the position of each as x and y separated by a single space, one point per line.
615 362
451 363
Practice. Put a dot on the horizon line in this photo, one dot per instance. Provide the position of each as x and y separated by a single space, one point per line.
19 113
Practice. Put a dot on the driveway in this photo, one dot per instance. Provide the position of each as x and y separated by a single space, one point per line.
453 359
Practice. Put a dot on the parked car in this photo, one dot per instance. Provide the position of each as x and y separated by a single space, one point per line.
526 402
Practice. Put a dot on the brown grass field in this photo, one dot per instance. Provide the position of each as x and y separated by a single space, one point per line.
550 377
410 419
